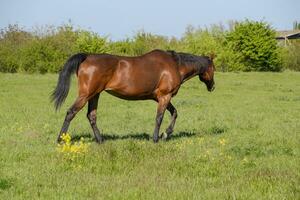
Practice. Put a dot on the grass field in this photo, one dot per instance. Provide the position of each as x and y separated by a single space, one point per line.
240 142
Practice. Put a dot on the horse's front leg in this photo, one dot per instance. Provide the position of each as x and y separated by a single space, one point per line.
173 113
163 102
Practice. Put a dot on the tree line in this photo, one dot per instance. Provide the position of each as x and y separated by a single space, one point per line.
243 46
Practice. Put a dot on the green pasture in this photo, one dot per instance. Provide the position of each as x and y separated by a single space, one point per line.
241 141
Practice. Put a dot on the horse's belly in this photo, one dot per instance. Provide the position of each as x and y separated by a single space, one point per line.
130 95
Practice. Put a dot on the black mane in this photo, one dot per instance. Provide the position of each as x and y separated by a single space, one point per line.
201 62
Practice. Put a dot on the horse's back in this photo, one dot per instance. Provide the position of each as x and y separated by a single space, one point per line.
135 77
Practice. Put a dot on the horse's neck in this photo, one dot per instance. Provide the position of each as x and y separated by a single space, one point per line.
187 72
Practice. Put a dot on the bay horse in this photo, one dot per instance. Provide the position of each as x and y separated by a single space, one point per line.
156 75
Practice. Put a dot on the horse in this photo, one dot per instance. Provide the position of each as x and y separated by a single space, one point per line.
156 75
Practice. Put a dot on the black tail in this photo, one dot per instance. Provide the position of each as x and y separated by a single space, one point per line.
62 89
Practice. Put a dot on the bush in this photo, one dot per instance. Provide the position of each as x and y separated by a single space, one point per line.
248 46
213 40
291 56
90 42
144 42
12 40
257 45
43 50
123 47
201 42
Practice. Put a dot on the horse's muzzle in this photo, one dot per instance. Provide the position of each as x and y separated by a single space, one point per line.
211 89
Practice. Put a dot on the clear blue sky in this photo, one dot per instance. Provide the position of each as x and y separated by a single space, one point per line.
118 19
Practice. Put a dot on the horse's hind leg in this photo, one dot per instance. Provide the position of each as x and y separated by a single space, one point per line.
173 113
75 108
91 115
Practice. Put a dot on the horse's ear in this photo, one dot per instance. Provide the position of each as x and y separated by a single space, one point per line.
212 56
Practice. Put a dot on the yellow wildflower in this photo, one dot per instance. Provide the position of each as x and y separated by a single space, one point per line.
222 141
68 148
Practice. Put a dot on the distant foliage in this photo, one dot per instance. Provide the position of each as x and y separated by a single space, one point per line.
212 41
244 46
296 25
257 46
144 42
201 41
89 42
291 56
13 40
38 51
123 47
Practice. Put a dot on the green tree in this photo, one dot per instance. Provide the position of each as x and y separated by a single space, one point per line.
255 41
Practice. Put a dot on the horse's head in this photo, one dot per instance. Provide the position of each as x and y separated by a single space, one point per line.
207 74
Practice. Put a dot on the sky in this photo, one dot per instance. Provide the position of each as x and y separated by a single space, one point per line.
123 18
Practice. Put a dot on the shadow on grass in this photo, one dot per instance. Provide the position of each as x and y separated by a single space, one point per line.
5 184
217 130
138 136
182 134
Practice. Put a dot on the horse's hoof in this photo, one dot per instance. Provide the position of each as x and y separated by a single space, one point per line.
168 134
169 131
164 136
